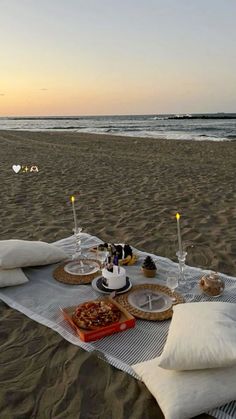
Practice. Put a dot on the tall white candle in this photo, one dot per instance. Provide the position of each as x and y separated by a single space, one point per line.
179 234
74 212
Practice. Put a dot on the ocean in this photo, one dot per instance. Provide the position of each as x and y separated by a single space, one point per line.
213 127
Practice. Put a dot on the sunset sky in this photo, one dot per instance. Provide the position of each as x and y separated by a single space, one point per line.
94 57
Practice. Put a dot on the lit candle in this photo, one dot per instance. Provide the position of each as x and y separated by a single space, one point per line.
179 235
74 212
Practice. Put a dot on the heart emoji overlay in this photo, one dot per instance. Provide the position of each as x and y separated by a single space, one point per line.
16 168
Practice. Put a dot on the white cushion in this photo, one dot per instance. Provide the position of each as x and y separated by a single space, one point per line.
10 277
184 394
20 253
201 335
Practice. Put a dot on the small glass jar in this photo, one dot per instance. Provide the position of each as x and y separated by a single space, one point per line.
212 285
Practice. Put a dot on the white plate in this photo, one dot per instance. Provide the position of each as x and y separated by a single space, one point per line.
88 267
149 301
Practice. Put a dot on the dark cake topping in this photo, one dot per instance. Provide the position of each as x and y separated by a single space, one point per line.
149 263
117 249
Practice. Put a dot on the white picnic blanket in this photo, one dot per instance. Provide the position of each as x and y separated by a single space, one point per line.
41 298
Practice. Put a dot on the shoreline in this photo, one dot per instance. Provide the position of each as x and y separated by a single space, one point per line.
74 130
129 191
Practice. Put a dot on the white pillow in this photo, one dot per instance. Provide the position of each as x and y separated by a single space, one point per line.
10 277
20 253
184 394
201 335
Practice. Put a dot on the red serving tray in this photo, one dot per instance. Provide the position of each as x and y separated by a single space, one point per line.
127 321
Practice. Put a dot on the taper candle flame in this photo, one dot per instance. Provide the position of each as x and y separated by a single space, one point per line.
72 198
179 234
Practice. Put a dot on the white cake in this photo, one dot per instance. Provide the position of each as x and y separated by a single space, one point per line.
115 279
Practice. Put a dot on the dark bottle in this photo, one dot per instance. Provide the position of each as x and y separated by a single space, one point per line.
116 259
109 260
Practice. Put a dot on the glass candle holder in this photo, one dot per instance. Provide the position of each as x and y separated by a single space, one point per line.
181 258
80 264
77 248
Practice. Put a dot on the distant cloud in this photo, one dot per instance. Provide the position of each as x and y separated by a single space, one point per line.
2 94
44 88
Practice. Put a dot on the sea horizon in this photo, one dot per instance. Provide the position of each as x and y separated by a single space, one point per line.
220 115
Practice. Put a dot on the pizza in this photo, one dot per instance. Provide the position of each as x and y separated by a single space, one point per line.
95 314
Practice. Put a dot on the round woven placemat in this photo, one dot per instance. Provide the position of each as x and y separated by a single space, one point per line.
164 315
62 276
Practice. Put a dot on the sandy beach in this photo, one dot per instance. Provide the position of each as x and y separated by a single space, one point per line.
129 191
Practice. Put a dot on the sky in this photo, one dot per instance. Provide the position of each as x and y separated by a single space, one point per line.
105 57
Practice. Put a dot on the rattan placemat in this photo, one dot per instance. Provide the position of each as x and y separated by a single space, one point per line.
62 276
164 315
